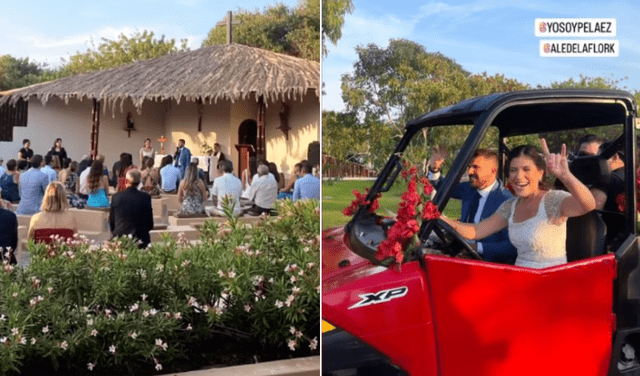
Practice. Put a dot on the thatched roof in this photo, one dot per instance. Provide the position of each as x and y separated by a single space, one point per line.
232 72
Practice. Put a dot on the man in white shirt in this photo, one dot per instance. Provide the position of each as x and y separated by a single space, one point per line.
263 192
83 192
227 185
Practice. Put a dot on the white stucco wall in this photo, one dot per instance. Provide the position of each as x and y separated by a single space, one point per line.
72 123
220 123
304 121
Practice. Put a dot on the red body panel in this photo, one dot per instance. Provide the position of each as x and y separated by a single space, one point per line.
401 328
505 320
462 317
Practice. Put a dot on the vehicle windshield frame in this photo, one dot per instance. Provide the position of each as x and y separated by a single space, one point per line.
465 113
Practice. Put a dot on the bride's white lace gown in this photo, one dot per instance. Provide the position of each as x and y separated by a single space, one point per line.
540 240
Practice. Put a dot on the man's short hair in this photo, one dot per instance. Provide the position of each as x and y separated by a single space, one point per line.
226 165
306 168
263 170
589 138
47 159
487 154
25 141
134 177
12 164
169 159
100 158
182 140
36 160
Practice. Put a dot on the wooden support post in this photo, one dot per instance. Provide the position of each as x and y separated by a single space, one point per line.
95 127
261 152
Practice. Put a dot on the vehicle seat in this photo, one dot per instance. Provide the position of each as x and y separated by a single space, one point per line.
586 236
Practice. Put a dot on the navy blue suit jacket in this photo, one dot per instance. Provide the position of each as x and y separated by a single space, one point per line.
496 247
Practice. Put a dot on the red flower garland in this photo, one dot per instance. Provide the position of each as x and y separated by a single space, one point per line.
407 222
408 219
361 200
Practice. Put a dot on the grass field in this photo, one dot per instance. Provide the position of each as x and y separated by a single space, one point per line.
336 195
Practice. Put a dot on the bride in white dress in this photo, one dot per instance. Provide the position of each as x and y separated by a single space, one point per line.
536 217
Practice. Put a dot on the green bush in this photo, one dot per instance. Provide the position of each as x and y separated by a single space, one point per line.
111 309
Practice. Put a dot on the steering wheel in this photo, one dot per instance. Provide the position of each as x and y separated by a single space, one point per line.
443 226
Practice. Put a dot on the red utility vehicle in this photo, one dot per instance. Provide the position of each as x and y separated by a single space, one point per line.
450 316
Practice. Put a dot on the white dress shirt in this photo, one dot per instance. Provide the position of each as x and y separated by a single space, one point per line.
264 192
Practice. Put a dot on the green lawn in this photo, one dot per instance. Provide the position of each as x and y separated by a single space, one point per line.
336 195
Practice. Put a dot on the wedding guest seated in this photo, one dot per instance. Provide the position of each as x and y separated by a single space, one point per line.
263 192
247 175
192 192
126 164
23 165
131 211
97 186
227 185
113 180
150 178
308 186
200 171
8 235
85 163
71 182
48 168
287 191
9 182
170 176
273 170
54 214
33 184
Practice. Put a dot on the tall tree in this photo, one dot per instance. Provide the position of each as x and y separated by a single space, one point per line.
121 51
333 14
19 72
292 31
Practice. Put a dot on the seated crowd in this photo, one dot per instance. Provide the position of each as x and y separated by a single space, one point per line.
45 187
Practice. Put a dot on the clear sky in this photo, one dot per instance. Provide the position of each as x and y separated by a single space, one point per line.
486 35
45 30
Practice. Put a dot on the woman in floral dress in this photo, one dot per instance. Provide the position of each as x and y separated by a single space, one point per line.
192 192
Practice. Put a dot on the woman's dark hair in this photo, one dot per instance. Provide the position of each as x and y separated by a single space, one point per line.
66 163
23 164
73 165
167 160
144 163
253 166
56 141
532 153
149 163
126 160
274 170
95 175
12 164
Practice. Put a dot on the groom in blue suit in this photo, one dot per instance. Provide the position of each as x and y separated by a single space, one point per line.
183 157
481 196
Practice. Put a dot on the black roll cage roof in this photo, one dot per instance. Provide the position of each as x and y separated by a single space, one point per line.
520 113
